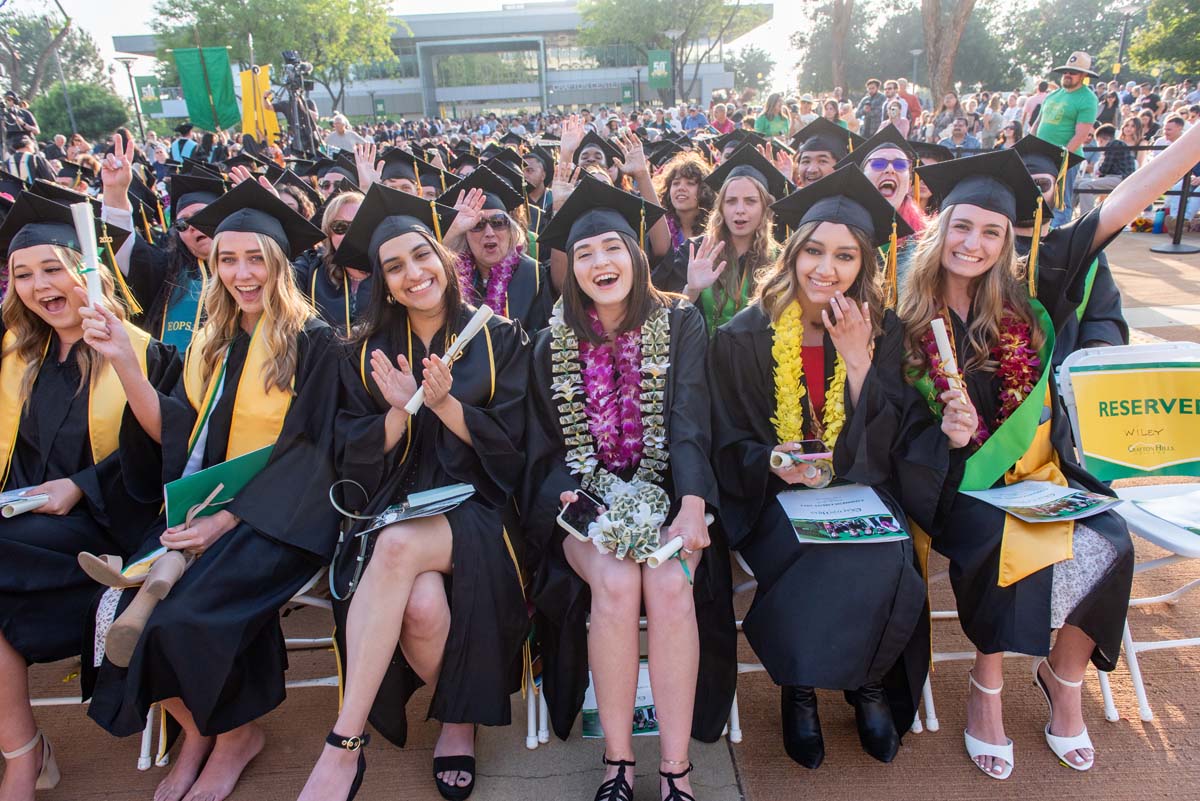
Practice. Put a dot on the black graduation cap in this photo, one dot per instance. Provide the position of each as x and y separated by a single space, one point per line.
399 163
507 156
145 198
888 136
301 167
173 167
439 179
188 190
594 208
497 192
244 159
513 178
463 146
664 151
274 171
747 162
593 139
738 137
463 159
1044 157
77 172
5 205
36 220
545 157
250 208
511 138
183 129
844 196
10 184
289 178
386 214
490 150
824 136
994 181
312 168
191 166
928 153
63 194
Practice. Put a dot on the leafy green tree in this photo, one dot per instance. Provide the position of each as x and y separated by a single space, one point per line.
944 24
98 111
819 69
27 44
1041 37
751 67
642 24
1171 35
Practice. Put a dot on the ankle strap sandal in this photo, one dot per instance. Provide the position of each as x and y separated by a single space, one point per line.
357 745
673 792
618 787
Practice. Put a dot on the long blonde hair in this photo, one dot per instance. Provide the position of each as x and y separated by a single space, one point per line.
758 257
285 312
333 208
777 285
997 291
32 333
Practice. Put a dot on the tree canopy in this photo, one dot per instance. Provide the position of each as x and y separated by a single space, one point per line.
98 111
751 66
1171 35
27 54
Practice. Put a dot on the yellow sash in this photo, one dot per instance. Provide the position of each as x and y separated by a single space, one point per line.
1026 547
106 400
258 413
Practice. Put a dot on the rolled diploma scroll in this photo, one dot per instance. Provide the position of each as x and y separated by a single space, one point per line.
474 326
81 215
23 505
949 362
783 459
673 547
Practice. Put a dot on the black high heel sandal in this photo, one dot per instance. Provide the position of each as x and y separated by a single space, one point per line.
618 787
462 763
352 744
674 793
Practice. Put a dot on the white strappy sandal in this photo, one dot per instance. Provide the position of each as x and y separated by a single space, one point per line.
977 748
1061 746
49 775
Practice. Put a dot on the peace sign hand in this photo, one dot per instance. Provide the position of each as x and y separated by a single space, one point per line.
116 171
703 269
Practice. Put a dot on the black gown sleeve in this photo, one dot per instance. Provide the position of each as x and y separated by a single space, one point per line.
141 458
862 453
670 273
689 425
1102 318
1065 257
148 265
361 432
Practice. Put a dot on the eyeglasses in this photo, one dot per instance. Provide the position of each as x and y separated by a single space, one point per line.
879 165
339 227
329 184
1044 185
498 223
182 225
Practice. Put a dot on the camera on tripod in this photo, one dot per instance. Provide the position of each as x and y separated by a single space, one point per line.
296 73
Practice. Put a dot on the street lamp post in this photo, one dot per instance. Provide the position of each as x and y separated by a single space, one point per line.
137 104
1126 10
914 54
673 34
374 113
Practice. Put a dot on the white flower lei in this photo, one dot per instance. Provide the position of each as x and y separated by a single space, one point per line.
636 509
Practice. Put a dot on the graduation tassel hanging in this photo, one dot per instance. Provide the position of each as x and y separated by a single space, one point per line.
642 226
1060 184
146 224
131 303
437 224
917 190
158 207
1034 246
893 293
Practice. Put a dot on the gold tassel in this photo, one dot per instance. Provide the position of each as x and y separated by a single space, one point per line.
437 224
1060 184
158 207
1034 245
642 226
893 293
442 178
417 177
917 189
850 144
131 303
146 224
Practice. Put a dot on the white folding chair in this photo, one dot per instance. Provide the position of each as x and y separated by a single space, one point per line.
1181 544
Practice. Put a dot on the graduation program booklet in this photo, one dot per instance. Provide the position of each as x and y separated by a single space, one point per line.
422 504
842 515
16 502
1181 510
234 474
1044 501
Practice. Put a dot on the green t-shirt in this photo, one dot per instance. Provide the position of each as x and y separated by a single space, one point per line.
1062 111
771 126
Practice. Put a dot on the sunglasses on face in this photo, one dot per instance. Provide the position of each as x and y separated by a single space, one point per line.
879 165
182 225
339 227
329 184
1044 185
498 223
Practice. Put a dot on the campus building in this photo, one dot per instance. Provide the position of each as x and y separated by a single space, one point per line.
523 57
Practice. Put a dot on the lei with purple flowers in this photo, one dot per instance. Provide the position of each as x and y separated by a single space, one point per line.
496 292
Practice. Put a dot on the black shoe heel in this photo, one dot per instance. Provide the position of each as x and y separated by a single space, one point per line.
618 787
801 726
449 764
352 744
673 792
873 717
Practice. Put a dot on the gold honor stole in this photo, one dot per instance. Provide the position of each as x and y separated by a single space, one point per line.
258 412
106 399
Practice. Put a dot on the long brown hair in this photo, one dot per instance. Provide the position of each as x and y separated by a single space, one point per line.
998 290
643 297
31 332
777 286
691 167
761 253
285 312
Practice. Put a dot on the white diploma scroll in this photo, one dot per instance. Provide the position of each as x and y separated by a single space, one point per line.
474 326
672 547
19 506
81 215
946 353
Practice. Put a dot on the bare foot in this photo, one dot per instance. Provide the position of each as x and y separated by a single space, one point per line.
1067 718
332 776
457 739
230 755
985 721
20 776
188 763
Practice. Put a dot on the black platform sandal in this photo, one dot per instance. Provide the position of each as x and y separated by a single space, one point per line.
618 787
674 793
448 764
352 744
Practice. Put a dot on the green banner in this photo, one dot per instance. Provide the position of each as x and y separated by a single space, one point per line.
208 88
627 93
380 106
660 69
149 97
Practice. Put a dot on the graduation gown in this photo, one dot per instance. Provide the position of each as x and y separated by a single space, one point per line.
670 275
334 300
562 599
159 293
44 595
530 295
215 641
482 663
831 616
969 531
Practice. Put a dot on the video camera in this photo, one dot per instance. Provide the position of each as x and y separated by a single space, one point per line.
296 72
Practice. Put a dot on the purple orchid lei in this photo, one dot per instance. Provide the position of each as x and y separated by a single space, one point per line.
496 292
612 382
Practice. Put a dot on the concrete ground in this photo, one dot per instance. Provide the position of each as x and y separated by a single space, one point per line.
1157 759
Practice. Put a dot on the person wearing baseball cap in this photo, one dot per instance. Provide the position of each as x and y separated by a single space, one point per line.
1066 118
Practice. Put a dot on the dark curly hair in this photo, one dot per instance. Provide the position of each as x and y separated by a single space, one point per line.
691 166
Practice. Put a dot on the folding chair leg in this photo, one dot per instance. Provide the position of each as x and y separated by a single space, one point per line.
1110 709
735 721
145 759
1135 673
917 727
544 715
931 718
531 717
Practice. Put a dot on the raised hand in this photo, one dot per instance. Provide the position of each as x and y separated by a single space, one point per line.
633 155
396 384
369 170
849 326
703 268
469 206
103 332
572 135
116 170
437 382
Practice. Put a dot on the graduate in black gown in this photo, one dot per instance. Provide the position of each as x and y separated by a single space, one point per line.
439 600
489 239
264 371
796 365
65 430
618 403
339 291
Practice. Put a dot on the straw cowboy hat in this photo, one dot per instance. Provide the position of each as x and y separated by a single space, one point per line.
1078 62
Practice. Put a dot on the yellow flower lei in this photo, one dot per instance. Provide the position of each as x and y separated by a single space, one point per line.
789 383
